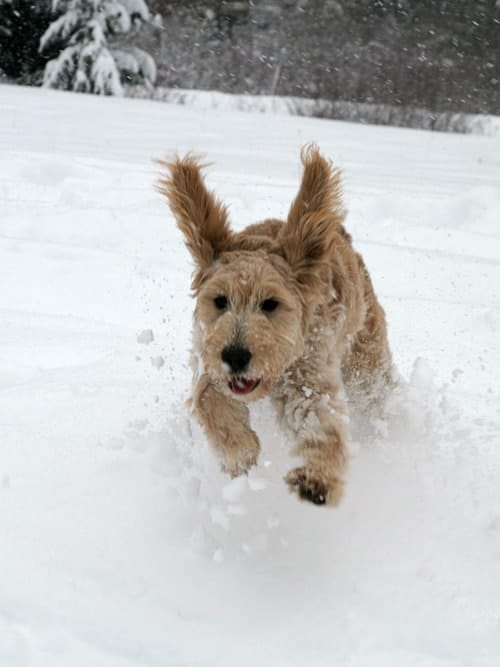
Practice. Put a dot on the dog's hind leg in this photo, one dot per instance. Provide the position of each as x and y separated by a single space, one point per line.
227 427
318 418
367 368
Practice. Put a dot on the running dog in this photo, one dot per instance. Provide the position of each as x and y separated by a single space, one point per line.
284 309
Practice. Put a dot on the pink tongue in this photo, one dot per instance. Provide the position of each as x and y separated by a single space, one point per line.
240 386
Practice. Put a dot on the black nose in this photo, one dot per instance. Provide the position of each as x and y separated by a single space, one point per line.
237 357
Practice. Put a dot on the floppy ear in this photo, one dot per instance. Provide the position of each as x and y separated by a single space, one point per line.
200 216
314 222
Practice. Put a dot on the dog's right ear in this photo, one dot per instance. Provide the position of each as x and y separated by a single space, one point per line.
314 223
200 216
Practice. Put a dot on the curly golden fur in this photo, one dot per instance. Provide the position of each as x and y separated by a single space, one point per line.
286 310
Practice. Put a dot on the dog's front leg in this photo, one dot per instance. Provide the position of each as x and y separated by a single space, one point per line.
318 418
227 427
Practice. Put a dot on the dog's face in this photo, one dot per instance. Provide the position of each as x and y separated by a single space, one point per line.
256 289
248 323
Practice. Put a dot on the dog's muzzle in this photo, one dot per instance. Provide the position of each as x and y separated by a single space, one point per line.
236 359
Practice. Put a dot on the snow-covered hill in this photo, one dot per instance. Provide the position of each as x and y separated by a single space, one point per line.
374 114
121 544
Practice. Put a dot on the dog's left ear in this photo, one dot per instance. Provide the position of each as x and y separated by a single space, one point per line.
314 221
200 216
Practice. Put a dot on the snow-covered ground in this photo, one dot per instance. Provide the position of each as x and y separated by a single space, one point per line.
375 114
121 544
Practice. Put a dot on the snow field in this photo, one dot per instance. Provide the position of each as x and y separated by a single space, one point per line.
121 543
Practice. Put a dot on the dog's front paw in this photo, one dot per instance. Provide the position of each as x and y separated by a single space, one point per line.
311 485
239 467
239 459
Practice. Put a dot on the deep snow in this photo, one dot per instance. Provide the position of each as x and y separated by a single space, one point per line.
121 544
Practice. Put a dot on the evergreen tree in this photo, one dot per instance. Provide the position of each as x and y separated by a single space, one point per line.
85 60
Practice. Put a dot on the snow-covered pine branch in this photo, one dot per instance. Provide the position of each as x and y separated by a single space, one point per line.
85 61
135 65
60 30
137 9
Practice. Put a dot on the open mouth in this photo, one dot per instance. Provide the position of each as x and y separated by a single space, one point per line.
241 385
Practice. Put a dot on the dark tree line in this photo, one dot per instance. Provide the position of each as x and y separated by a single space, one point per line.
22 23
438 54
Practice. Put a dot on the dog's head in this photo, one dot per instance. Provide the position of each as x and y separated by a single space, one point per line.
256 289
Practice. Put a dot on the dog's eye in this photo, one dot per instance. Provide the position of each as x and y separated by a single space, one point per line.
269 305
220 302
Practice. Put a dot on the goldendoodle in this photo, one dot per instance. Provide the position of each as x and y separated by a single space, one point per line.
284 309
